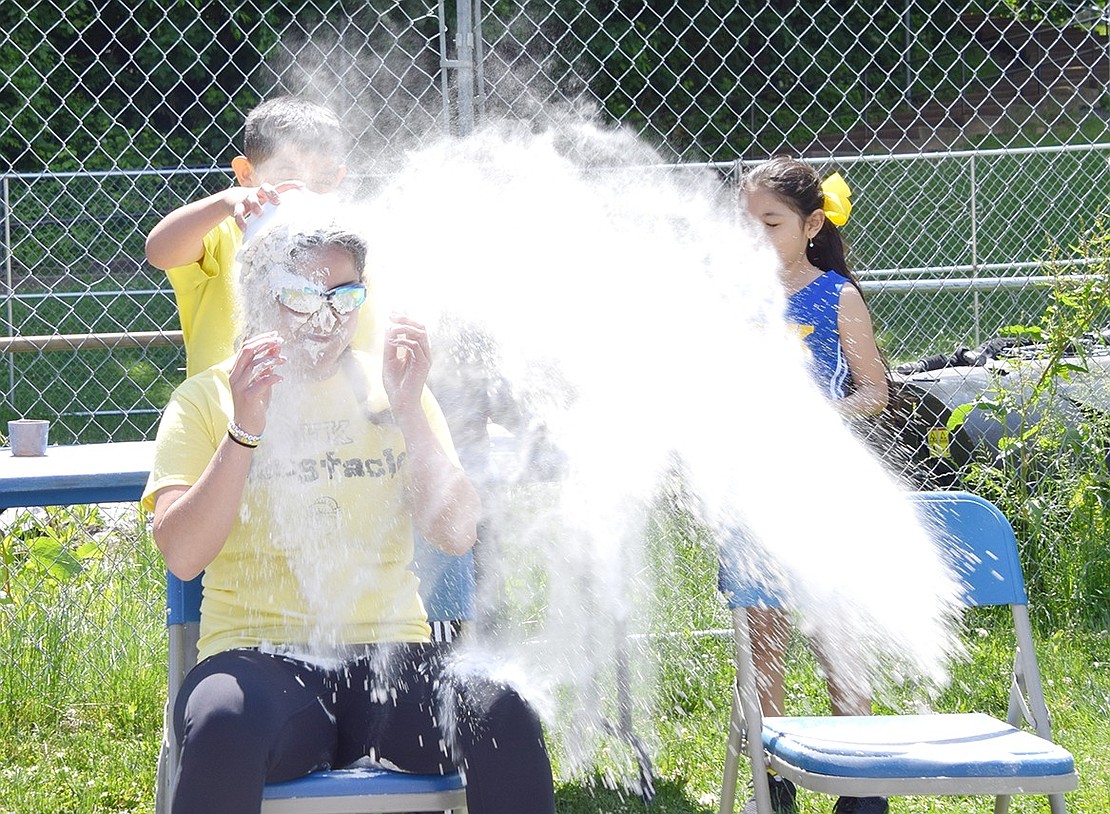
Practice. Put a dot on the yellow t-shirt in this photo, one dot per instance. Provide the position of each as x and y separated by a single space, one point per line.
319 555
205 296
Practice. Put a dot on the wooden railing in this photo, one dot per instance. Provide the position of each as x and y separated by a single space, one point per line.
109 341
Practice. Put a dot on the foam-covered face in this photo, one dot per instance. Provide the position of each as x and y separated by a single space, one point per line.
318 338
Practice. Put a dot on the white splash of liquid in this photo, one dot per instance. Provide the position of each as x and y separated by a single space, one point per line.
311 437
638 318
308 536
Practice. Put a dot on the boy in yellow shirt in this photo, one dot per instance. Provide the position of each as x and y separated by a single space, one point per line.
289 143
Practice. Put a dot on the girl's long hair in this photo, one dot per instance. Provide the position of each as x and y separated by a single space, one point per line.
799 185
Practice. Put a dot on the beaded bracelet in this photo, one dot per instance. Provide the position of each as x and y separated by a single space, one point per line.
241 436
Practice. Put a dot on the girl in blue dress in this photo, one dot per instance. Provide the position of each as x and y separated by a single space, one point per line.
800 216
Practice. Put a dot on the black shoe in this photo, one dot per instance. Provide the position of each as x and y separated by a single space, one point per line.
783 796
861 805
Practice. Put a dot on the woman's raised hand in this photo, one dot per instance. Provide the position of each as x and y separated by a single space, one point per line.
252 378
408 359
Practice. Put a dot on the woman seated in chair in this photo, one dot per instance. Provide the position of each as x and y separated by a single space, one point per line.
294 475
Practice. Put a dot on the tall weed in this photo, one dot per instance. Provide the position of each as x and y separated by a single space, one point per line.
1050 474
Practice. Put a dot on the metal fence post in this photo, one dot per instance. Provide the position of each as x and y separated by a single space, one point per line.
975 250
464 49
10 283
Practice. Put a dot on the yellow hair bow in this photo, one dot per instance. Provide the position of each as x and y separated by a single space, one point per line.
837 206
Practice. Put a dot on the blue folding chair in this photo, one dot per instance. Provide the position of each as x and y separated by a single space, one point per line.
892 755
447 587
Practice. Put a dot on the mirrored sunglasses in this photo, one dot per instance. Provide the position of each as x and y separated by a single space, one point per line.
343 299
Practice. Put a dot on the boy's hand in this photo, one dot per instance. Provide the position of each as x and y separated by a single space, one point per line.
178 239
248 202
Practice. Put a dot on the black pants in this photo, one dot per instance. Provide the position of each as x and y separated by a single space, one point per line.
245 718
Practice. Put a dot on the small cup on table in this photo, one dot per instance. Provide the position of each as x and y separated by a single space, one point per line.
28 436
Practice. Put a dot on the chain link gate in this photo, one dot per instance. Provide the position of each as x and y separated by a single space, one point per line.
974 136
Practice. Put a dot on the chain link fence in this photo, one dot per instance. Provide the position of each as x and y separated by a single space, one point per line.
971 131
974 135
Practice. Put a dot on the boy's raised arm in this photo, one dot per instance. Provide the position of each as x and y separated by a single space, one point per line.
178 239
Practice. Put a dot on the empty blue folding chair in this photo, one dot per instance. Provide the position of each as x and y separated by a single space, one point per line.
447 586
893 755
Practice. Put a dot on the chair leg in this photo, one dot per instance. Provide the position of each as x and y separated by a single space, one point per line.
624 717
1001 804
732 754
746 699
760 782
161 783
166 772
1056 804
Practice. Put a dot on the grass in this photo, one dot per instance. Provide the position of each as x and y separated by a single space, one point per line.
82 666
82 678
690 757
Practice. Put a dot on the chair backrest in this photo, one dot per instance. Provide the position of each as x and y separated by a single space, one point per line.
979 544
446 583
182 600
973 536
